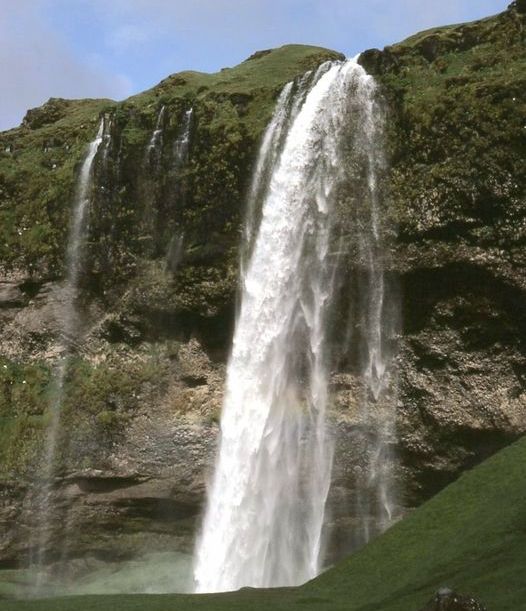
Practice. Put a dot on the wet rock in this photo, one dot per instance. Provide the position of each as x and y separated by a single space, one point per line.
378 62
447 600
10 295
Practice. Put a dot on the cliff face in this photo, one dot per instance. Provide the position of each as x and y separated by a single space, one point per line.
458 187
144 392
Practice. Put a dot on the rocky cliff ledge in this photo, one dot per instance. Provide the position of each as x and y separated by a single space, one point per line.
144 392
458 185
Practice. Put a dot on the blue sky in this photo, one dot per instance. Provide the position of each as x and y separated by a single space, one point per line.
113 48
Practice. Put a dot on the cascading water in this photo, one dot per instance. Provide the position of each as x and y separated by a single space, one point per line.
70 327
153 150
287 107
76 241
182 142
268 152
376 310
265 512
379 323
181 149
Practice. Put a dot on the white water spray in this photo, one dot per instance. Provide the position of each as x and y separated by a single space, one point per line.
75 249
266 506
377 314
288 105
269 150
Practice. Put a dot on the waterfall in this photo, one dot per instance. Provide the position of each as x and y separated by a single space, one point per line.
175 251
182 142
75 254
377 315
181 149
288 105
268 151
107 127
155 145
265 512
76 241
163 187
379 328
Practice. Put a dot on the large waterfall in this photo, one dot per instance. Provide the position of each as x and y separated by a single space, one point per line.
69 319
265 514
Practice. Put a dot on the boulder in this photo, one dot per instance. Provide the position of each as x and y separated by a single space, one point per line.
448 600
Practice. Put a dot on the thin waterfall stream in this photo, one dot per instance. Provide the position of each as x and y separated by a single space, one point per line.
156 140
182 142
69 316
378 319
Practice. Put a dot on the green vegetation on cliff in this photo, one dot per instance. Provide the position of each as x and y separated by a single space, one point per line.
457 97
457 141
459 137
98 399
138 207
39 160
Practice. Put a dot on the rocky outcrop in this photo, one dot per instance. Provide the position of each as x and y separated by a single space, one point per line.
50 112
447 600
458 195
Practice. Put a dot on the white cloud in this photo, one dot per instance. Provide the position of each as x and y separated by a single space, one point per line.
35 64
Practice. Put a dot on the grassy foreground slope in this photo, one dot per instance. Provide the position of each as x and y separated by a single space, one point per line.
470 537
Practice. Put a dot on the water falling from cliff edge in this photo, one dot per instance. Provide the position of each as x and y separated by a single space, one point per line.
265 513
69 320
378 315
155 145
182 142
373 318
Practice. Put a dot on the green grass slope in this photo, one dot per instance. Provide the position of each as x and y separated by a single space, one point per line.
471 537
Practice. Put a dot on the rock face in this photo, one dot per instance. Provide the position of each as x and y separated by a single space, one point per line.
458 194
447 600
144 389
